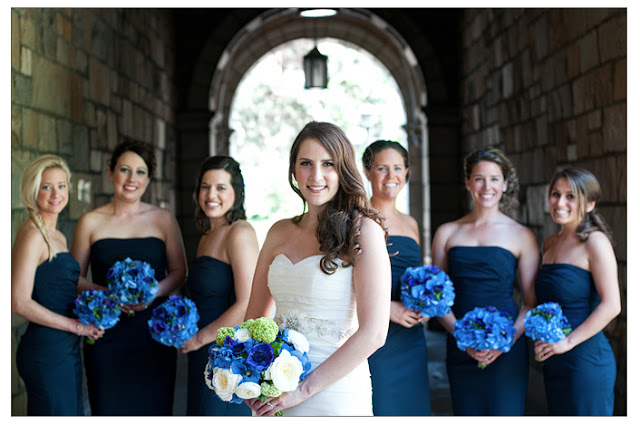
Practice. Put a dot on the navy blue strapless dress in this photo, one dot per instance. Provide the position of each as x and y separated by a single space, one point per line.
210 286
483 276
48 360
581 381
399 370
129 373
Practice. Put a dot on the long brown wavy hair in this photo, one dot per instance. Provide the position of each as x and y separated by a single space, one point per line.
339 223
586 188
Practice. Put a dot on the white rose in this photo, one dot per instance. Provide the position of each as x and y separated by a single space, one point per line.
225 383
299 341
285 371
242 335
248 390
208 372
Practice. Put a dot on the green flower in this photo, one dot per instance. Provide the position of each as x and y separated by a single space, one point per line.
264 330
268 390
223 332
248 323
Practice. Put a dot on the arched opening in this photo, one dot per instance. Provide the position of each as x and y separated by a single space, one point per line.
271 105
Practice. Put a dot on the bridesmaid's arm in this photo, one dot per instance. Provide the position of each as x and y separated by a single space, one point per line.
528 263
604 269
81 250
176 256
439 259
28 251
242 249
372 283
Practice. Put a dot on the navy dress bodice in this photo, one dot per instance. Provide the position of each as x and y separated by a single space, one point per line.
402 361
580 381
484 276
48 359
210 285
129 373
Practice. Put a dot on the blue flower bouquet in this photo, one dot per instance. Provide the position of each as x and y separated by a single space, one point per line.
97 307
546 323
174 321
132 282
483 329
256 360
427 290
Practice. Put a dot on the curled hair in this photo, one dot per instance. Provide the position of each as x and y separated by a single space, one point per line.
586 188
142 149
509 201
339 223
378 146
30 185
226 163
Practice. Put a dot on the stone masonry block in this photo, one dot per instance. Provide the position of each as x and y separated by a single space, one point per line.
612 37
620 80
588 48
615 128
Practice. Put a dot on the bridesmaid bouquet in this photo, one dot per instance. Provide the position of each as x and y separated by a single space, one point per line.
174 321
256 360
483 329
427 290
546 323
97 307
132 282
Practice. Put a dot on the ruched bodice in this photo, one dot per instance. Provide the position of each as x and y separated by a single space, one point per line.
129 373
323 308
211 286
580 381
48 359
483 276
402 361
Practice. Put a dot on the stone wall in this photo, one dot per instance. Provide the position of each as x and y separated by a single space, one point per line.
548 86
81 81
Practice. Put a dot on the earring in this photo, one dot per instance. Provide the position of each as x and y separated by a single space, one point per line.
504 190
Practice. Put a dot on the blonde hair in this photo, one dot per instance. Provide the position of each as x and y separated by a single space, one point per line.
30 185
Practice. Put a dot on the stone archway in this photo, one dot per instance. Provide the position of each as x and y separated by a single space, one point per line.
273 27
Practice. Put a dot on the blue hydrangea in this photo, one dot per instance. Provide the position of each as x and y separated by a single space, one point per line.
174 321
132 282
547 323
427 290
485 328
97 307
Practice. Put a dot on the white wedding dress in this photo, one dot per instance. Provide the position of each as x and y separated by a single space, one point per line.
323 308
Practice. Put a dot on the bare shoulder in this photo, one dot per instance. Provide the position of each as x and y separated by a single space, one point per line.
549 242
30 239
598 244
445 230
369 226
241 229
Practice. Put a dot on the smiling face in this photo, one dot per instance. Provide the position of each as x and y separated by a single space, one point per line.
486 184
316 174
388 174
53 194
216 197
130 177
564 204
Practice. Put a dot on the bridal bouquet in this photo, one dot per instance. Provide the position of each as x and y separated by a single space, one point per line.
97 307
427 290
483 329
174 321
546 323
256 360
132 282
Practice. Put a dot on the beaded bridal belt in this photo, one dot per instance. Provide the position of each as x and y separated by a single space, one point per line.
307 326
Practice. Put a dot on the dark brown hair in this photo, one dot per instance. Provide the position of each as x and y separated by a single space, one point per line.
509 201
226 163
339 223
142 149
586 188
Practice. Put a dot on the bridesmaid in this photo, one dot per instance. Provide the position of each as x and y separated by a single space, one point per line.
402 361
44 278
128 373
483 252
579 272
220 278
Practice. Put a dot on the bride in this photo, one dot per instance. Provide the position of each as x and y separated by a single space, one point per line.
327 272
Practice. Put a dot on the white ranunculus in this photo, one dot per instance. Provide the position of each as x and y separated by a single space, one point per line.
225 383
248 390
299 341
242 335
285 371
